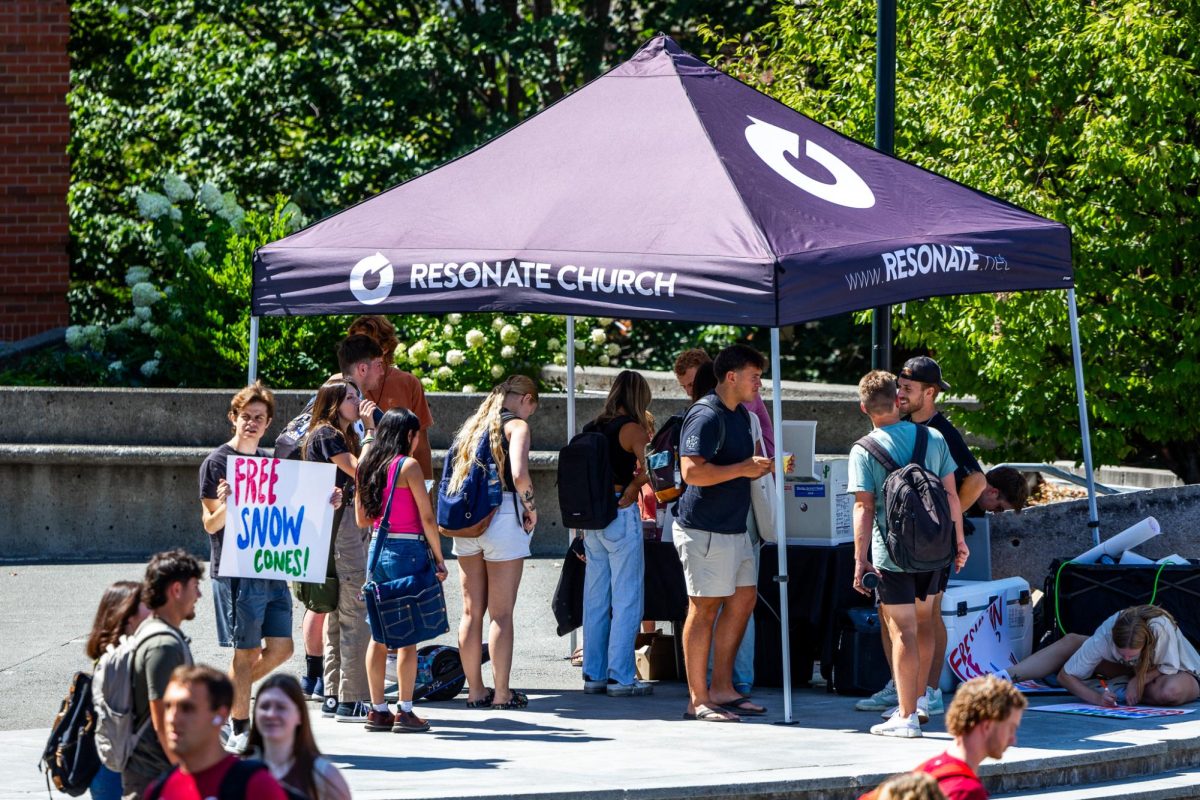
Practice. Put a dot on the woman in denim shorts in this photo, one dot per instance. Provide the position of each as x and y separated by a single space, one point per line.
388 473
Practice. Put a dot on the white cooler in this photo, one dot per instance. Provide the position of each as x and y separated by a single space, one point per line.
974 632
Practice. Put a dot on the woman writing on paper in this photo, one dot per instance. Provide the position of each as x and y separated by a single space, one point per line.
1142 645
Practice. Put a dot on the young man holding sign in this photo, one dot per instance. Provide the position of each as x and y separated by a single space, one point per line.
254 615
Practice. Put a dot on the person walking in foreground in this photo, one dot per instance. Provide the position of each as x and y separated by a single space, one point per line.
983 719
282 738
490 565
614 581
717 462
406 546
196 703
905 591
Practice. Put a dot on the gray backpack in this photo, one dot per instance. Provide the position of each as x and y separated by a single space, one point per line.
112 693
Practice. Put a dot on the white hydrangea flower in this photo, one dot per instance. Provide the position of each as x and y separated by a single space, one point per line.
554 344
508 351
475 338
497 323
497 371
598 336
455 357
93 337
468 388
445 373
417 352
614 350
152 205
605 321
177 189
116 366
401 354
526 321
196 250
447 330
145 294
149 368
210 197
74 337
560 359
147 327
427 383
167 292
603 361
142 314
580 344
454 319
230 211
510 334
176 214
136 275
434 358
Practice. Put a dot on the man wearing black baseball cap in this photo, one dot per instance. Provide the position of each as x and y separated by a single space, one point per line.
919 382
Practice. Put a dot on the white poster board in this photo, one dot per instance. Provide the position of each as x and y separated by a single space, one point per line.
279 520
983 648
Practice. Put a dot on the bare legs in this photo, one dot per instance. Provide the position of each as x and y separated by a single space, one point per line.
491 587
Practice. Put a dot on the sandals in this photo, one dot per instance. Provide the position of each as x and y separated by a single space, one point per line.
486 702
712 714
517 700
577 657
744 707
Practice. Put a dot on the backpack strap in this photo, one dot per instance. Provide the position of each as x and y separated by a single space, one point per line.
921 445
156 789
712 401
876 450
381 530
237 779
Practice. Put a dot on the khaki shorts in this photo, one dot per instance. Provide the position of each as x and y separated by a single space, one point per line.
714 564
504 540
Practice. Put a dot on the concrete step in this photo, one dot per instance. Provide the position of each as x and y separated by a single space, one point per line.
1176 785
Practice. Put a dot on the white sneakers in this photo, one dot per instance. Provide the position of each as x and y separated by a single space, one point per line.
882 700
899 726
236 743
929 705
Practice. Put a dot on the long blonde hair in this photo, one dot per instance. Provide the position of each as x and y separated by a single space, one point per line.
486 418
629 394
1133 629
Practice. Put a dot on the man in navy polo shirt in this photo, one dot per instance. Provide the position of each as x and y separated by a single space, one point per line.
717 462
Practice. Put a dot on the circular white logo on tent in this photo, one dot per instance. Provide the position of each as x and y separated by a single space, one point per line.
379 270
771 143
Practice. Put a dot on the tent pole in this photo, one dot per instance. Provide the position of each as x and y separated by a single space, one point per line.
252 367
571 423
780 528
885 134
1081 399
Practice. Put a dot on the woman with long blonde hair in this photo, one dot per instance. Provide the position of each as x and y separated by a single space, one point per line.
614 583
490 565
1141 644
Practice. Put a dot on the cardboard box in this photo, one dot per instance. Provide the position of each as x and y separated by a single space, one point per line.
654 655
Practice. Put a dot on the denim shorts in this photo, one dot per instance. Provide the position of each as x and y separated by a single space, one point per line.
417 617
250 610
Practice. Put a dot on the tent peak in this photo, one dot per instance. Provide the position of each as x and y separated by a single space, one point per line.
661 57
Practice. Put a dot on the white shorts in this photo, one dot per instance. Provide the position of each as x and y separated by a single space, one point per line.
504 540
715 564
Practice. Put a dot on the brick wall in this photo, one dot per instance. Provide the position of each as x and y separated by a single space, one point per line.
34 172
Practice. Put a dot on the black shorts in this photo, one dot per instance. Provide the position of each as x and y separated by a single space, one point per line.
905 588
944 579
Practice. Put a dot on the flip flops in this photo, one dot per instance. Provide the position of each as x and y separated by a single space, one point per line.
706 714
517 700
486 702
743 706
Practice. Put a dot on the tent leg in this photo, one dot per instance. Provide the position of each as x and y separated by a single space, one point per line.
1081 398
252 368
780 532
571 425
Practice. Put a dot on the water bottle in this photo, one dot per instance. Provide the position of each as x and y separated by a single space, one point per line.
495 490
870 580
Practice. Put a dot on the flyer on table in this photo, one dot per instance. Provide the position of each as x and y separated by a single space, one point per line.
279 519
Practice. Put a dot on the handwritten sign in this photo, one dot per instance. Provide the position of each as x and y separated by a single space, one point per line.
1113 712
984 647
279 519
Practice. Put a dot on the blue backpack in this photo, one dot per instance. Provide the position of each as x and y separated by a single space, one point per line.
468 512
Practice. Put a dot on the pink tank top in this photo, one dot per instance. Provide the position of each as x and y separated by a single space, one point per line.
404 518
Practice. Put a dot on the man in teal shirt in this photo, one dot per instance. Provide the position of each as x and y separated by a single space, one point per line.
905 598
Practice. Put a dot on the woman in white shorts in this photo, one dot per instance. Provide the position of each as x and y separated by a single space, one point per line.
490 565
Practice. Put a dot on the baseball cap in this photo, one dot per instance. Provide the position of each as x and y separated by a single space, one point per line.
925 370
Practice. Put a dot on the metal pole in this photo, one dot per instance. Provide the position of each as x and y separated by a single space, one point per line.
1081 399
885 127
571 423
780 532
252 368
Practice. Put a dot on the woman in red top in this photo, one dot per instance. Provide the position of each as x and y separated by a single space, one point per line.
388 475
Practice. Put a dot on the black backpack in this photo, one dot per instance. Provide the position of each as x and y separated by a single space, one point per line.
920 530
70 759
585 480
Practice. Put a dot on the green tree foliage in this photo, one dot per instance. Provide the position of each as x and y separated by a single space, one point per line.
1086 113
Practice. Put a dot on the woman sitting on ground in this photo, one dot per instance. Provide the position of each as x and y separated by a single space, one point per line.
1142 643
282 737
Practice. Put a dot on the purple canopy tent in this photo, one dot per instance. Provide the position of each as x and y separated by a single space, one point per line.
666 189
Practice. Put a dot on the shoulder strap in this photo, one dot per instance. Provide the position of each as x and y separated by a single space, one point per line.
922 443
381 530
878 452
712 401
236 780
156 789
